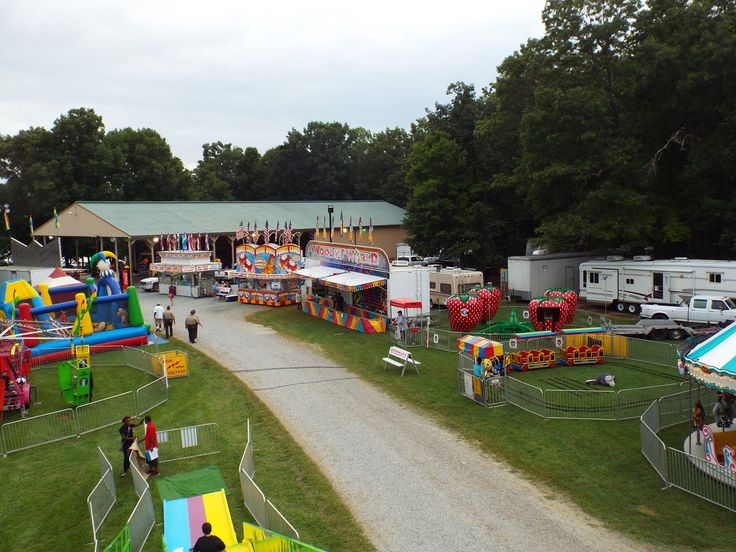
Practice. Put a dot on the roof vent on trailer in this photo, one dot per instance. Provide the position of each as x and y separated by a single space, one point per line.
642 258
614 258
537 252
680 258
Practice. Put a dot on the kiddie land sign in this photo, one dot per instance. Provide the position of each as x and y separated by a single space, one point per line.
368 259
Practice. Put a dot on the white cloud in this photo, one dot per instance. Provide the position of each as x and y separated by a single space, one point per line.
248 72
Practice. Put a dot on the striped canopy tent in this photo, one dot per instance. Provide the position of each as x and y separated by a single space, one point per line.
713 362
479 346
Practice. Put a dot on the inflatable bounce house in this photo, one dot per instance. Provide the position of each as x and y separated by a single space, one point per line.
554 310
48 323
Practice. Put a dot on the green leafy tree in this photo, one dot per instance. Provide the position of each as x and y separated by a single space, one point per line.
228 173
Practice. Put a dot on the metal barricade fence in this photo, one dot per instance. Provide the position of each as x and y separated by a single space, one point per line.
38 430
444 340
572 404
674 409
188 442
525 396
141 521
709 481
247 461
143 360
104 412
102 498
278 523
139 481
151 395
651 445
654 352
253 499
632 402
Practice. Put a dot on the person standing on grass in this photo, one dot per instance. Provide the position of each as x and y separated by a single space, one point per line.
191 324
126 440
151 442
208 542
158 317
169 320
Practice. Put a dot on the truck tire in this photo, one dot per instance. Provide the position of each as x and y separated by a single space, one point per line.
658 335
660 316
632 308
620 307
677 334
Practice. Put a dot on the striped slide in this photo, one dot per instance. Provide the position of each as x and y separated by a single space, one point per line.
183 519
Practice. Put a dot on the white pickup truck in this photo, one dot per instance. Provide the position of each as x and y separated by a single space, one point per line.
701 309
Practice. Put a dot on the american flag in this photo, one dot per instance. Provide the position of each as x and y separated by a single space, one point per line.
240 232
266 233
278 226
199 239
288 236
247 234
255 232
206 242
191 242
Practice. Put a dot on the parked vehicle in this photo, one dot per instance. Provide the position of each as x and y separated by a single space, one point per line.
444 282
149 284
628 283
701 309
659 329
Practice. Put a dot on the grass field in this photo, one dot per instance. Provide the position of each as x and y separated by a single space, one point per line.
44 490
629 375
596 464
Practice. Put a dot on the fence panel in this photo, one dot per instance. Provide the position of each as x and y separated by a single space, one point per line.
247 461
253 499
571 404
139 481
696 476
101 500
188 442
525 396
121 543
152 394
633 402
654 352
39 430
143 360
141 521
105 412
675 408
444 340
651 445
278 523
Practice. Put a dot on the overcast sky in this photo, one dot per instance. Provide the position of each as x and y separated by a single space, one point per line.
247 72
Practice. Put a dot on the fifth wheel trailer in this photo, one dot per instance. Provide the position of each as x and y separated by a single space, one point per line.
627 283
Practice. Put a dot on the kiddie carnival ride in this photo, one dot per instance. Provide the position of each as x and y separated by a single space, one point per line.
99 314
713 363
15 376
265 273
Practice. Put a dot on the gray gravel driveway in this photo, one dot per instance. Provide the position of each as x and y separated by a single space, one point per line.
411 484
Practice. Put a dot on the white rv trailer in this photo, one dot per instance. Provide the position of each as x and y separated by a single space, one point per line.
627 283
444 282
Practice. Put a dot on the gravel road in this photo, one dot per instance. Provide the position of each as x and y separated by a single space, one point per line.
411 484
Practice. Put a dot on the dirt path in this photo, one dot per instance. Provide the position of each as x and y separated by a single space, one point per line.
411 484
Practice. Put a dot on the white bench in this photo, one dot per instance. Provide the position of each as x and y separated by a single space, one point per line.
401 358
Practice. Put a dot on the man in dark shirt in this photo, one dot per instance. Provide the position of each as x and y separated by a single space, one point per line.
208 542
126 439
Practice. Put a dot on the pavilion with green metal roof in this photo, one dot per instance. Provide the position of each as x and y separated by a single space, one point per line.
142 223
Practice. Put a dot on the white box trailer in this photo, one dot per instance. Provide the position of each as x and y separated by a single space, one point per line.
530 276
32 275
410 282
627 283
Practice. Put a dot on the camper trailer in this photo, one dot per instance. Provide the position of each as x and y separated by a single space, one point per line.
444 282
627 283
529 276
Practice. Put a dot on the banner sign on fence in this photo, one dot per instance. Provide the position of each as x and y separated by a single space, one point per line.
176 363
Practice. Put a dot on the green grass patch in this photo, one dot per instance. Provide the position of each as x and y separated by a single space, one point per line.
45 489
629 375
596 464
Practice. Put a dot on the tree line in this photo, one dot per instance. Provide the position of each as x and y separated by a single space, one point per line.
613 131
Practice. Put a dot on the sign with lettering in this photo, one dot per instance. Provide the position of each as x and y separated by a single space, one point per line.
176 363
369 259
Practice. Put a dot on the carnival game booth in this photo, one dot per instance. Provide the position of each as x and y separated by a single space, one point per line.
192 273
346 285
265 274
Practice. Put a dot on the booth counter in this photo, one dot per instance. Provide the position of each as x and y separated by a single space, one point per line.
191 272
265 274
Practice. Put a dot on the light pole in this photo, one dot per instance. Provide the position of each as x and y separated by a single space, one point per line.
330 210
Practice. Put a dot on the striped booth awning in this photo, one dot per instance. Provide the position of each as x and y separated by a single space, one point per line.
479 346
353 281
